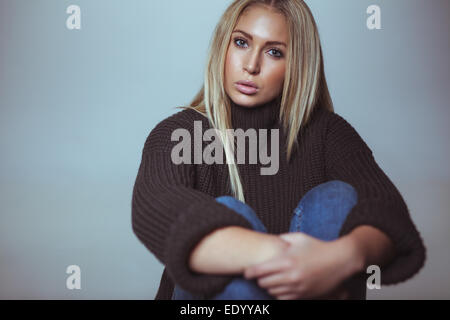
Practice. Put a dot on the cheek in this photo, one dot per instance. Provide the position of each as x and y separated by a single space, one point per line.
277 76
232 61
229 66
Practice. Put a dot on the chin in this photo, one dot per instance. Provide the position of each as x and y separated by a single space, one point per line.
246 101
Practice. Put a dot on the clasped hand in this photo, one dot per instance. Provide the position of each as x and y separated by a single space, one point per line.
308 268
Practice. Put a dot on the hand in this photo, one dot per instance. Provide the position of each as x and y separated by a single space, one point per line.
308 268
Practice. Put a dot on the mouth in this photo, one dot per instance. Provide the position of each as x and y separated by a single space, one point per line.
246 87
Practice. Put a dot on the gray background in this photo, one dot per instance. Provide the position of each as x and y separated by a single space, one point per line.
77 106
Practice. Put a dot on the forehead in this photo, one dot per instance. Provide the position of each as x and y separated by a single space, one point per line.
263 23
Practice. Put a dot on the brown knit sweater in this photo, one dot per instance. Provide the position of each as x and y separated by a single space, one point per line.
173 206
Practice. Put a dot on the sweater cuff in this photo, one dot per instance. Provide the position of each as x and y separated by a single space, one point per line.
191 226
394 221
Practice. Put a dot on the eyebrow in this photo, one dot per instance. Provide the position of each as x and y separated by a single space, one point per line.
251 38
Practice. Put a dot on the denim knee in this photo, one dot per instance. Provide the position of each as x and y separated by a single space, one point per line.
244 210
323 209
341 189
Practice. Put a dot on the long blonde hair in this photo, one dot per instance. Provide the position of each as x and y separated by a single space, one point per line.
304 87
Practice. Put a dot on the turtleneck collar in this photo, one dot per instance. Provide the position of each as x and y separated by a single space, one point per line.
264 116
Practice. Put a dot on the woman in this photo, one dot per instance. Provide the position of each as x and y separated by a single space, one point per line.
309 231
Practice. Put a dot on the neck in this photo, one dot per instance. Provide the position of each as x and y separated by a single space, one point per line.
264 116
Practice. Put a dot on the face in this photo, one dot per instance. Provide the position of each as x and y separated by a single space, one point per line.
256 53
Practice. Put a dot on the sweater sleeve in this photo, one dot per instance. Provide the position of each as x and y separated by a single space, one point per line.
169 216
380 204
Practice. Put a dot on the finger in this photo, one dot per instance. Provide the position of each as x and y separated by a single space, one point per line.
275 280
287 297
266 268
281 290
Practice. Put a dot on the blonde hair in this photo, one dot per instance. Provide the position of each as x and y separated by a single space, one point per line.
304 87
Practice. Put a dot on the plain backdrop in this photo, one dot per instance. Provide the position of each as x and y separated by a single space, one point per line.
77 105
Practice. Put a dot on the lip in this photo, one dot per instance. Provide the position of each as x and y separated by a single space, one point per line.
246 87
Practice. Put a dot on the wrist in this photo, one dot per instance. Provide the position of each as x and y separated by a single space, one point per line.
269 247
352 256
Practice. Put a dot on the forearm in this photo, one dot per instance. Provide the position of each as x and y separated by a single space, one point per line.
230 250
370 246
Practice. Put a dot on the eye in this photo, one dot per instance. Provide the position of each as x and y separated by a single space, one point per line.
279 53
239 42
236 41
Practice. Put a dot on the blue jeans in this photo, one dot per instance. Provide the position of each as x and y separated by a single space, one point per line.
320 213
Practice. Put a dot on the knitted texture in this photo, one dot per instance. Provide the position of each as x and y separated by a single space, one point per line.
174 207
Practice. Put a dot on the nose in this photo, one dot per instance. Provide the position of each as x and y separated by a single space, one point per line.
252 64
